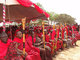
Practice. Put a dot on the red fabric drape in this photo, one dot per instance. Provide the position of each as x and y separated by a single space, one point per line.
33 52
62 33
41 11
26 3
3 48
38 8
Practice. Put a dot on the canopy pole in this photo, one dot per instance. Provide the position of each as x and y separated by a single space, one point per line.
62 35
53 40
61 31
56 34
72 32
23 25
66 31
43 34
4 15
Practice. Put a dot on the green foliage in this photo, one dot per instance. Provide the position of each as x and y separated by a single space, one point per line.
64 18
55 16
51 15
39 21
40 6
61 18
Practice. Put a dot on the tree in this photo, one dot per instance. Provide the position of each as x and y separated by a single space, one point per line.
40 20
51 16
40 6
64 18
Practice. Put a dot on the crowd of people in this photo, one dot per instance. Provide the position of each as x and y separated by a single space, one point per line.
56 38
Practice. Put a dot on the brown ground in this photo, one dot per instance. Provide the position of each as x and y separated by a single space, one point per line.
69 54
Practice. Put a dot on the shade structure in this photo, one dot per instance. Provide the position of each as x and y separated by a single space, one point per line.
16 11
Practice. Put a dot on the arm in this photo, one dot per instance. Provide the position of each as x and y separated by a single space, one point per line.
19 52
38 44
48 43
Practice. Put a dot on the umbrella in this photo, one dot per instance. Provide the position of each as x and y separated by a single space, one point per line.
18 9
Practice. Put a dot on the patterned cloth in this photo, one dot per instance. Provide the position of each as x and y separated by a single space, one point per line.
12 53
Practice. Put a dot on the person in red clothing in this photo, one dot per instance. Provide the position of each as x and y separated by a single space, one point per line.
8 49
33 53
45 53
57 37
60 39
9 35
39 44
52 40
31 37
4 44
62 35
47 38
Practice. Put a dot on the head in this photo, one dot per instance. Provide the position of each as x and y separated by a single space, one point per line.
4 37
19 34
45 31
38 40
57 26
32 33
54 26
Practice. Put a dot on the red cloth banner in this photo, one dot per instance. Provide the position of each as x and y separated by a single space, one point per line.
26 3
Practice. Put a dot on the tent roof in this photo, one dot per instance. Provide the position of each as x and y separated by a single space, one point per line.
9 2
18 9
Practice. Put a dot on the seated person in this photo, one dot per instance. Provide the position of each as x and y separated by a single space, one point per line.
45 53
33 52
8 50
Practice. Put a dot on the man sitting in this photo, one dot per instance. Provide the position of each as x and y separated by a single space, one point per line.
33 52
8 50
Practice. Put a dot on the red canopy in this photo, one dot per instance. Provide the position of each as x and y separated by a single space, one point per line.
22 8
28 3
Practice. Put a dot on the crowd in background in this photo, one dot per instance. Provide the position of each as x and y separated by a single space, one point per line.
57 37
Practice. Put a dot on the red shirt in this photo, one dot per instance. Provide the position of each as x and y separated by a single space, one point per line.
3 48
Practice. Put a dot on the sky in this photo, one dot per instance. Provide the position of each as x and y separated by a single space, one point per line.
70 7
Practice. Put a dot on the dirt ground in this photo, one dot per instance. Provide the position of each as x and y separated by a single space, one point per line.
69 54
